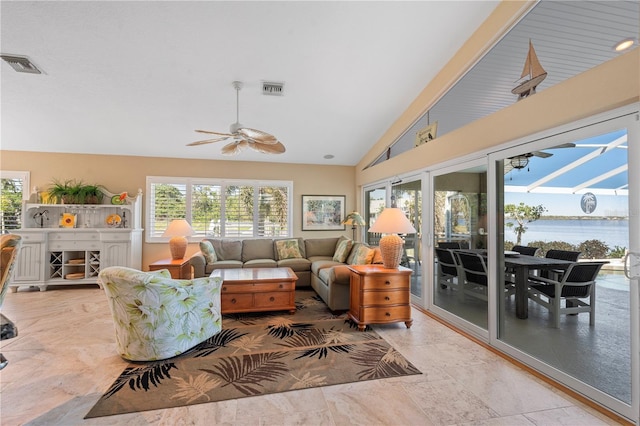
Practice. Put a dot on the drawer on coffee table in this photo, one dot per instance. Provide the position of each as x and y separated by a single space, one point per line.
236 301
275 299
258 287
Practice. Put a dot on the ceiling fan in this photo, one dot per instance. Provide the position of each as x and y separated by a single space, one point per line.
521 161
242 137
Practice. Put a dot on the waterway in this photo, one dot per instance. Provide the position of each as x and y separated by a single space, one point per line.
612 232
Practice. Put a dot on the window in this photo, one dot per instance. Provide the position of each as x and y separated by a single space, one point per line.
11 196
219 208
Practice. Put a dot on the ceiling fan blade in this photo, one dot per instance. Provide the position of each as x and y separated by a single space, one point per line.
276 148
206 141
234 148
542 154
209 132
258 136
564 145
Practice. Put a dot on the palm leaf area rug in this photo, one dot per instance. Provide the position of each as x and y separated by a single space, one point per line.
258 354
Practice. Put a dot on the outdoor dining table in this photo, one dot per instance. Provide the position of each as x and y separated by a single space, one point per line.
522 264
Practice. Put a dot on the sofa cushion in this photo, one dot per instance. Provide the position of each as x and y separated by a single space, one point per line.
221 264
318 265
339 274
320 246
288 249
342 250
227 249
260 263
296 264
258 248
207 250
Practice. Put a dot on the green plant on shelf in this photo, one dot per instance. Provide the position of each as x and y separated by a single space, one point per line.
75 192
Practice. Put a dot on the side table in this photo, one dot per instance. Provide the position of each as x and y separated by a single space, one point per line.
179 269
379 295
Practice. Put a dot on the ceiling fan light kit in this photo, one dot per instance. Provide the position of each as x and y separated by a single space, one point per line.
242 137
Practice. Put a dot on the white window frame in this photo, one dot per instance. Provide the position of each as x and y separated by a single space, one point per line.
223 183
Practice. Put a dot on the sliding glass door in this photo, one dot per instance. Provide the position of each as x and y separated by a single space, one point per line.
459 197
572 193
407 196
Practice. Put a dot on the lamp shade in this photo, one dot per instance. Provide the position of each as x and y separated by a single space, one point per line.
178 229
392 221
354 218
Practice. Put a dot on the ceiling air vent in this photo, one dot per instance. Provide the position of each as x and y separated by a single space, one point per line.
272 88
20 64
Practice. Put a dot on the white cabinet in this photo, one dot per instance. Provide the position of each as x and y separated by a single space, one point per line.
29 264
53 254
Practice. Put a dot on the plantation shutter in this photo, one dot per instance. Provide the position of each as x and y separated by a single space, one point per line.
168 202
238 213
11 202
206 209
273 214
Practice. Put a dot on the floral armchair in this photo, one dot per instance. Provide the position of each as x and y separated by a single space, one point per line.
157 317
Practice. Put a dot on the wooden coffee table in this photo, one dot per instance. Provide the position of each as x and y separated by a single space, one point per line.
257 289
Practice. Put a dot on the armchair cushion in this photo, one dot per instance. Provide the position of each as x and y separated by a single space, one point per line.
156 317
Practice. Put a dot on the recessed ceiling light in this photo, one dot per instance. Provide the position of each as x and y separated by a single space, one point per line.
624 44
328 157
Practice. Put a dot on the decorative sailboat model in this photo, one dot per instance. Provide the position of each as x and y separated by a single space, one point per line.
532 73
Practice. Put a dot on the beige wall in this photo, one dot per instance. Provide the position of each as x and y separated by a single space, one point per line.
611 85
120 173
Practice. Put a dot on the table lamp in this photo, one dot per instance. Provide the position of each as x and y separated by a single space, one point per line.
178 229
354 219
392 221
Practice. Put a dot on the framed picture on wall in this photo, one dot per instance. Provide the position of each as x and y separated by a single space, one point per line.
323 212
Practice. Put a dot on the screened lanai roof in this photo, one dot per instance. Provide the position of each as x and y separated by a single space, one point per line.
597 165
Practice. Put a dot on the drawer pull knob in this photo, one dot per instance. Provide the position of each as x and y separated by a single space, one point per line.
280 286
387 314
387 298
271 299
387 282
224 289
233 300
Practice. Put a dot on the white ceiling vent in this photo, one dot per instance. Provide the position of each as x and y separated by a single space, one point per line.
272 88
20 64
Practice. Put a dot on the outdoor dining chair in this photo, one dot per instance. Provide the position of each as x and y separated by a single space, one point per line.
449 245
526 250
447 271
556 274
474 274
575 287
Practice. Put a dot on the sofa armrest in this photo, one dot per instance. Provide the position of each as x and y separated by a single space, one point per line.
198 262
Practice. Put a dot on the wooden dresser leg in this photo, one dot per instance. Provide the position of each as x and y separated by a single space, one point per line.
408 323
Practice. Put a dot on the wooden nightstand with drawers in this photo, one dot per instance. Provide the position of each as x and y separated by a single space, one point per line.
180 269
380 295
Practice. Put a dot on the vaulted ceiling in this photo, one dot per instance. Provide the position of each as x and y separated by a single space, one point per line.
136 78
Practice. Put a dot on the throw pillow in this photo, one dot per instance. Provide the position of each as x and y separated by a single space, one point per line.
342 250
376 256
208 251
363 255
288 249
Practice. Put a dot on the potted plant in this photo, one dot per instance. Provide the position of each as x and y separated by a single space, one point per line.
75 192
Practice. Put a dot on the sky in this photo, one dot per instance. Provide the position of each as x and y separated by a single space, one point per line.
569 204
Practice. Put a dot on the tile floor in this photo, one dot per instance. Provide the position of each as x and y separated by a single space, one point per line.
64 359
